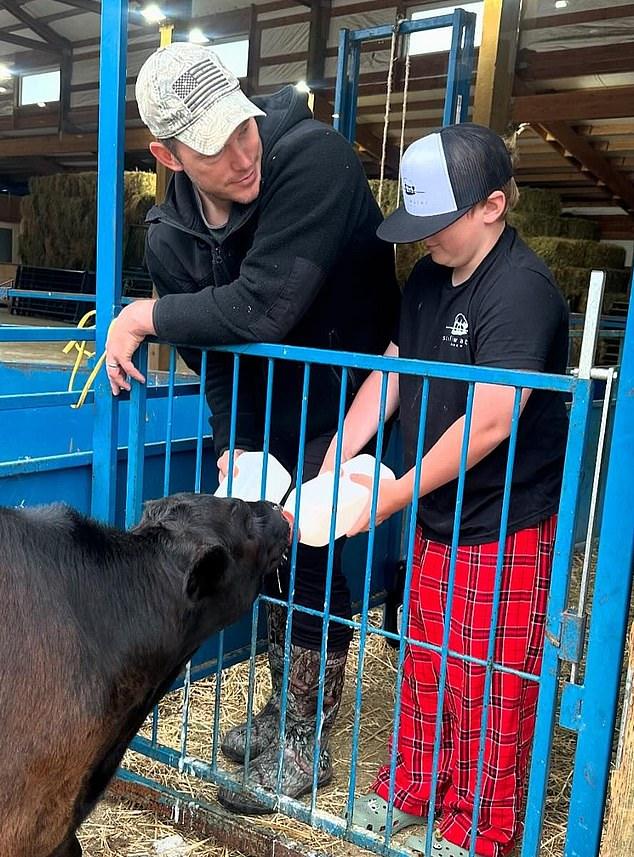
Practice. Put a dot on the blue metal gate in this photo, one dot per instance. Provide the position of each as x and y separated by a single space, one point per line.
588 706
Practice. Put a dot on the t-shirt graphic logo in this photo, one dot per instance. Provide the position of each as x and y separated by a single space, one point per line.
460 326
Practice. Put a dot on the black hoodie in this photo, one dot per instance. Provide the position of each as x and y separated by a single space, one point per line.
300 265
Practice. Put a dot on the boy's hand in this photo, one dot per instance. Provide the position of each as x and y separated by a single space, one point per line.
389 501
223 463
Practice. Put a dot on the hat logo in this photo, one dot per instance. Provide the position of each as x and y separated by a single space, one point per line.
410 189
202 84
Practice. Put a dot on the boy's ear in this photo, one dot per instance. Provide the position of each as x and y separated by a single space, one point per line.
494 206
207 572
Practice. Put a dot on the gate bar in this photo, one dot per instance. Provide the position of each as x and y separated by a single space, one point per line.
112 84
612 593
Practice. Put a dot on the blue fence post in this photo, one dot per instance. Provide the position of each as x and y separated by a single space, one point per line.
612 592
112 82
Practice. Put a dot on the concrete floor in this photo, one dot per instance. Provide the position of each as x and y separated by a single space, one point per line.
53 352
33 352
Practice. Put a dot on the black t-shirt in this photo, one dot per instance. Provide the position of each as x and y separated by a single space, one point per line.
509 314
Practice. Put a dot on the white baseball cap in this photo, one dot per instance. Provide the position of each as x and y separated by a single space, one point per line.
183 91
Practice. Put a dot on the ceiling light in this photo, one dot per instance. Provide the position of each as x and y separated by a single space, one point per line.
153 14
5 72
302 86
197 37
561 4
3 89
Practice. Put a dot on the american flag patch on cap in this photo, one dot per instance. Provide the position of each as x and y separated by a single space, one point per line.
202 85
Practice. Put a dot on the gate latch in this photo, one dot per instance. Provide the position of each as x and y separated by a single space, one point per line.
573 634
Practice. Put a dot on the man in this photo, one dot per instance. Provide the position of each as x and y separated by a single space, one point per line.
267 233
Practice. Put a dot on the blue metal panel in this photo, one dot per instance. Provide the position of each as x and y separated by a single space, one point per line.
341 86
112 84
459 72
612 593
564 544
136 444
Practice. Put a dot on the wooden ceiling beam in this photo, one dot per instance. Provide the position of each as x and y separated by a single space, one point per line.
616 227
496 63
604 103
584 16
136 139
575 148
598 59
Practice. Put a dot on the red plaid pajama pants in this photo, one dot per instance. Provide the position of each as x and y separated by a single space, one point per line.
513 701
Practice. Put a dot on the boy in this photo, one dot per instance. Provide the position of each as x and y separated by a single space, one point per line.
480 297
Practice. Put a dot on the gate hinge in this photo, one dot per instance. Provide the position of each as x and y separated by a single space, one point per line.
572 638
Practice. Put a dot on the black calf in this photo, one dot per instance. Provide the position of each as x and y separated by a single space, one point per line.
95 624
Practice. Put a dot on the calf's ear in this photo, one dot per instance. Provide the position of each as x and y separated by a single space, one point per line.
207 571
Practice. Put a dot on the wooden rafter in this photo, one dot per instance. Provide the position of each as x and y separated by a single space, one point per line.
587 160
609 102
318 41
596 59
136 140
42 30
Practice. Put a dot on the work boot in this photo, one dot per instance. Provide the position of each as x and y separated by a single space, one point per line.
299 743
265 724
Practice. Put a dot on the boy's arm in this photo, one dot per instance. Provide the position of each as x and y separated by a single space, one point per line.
490 424
362 420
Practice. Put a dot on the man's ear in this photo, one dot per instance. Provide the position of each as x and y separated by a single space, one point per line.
164 156
207 571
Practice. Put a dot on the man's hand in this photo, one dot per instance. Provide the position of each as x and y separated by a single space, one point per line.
126 333
223 463
391 499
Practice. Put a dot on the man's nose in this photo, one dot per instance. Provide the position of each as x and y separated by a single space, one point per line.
240 157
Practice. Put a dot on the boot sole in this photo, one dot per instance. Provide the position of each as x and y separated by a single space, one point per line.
234 756
259 809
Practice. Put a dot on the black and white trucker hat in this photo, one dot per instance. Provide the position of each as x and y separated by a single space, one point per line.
443 175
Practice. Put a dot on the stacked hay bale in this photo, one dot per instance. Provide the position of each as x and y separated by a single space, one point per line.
406 254
59 220
570 247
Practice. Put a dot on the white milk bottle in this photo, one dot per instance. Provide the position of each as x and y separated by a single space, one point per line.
315 509
247 478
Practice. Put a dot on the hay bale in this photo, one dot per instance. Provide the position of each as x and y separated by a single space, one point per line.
406 254
602 255
564 252
389 196
618 831
537 201
579 227
59 219
531 224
